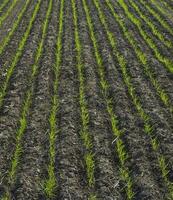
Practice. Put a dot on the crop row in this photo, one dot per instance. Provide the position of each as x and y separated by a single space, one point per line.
162 9
18 54
5 2
85 135
117 133
9 10
51 182
168 4
7 38
159 18
150 24
148 127
27 101
143 60
149 41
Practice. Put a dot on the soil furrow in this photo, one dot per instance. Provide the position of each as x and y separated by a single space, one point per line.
107 181
136 22
146 7
15 25
86 100
160 116
159 72
143 61
163 9
104 46
70 152
84 114
120 147
168 3
147 23
13 102
10 50
3 6
8 23
156 69
10 9
34 160
163 56
27 102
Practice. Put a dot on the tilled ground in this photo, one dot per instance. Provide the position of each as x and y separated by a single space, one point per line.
149 182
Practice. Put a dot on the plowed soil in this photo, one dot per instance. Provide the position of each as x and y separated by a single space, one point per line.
149 182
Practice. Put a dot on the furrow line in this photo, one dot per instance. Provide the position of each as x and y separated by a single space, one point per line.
6 14
148 126
142 58
26 106
162 8
168 3
155 14
85 135
168 63
120 146
14 27
50 184
3 4
150 24
18 54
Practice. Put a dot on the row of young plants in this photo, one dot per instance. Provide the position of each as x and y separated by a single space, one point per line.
157 16
148 126
150 24
50 184
117 133
2 6
142 58
17 56
23 121
169 4
163 7
84 114
9 35
8 12
168 63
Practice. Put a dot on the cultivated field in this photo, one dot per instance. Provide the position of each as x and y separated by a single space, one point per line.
86 99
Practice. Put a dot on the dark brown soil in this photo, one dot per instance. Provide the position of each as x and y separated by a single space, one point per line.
70 168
